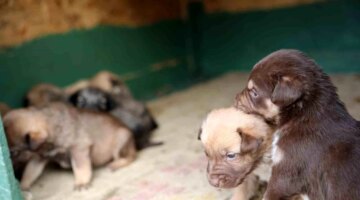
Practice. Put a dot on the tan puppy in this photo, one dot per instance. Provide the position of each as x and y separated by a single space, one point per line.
103 80
70 137
236 144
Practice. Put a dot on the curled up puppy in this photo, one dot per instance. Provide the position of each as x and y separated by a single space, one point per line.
71 137
236 144
106 92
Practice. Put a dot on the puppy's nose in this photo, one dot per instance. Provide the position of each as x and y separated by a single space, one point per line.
217 180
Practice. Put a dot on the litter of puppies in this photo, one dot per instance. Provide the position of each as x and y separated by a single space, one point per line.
97 124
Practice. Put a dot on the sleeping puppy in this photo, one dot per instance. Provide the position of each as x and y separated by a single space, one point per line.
103 80
43 94
106 92
70 137
236 144
317 143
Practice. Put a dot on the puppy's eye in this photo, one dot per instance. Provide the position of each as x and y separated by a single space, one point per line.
230 156
253 93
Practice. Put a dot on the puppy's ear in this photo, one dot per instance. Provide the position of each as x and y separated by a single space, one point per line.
286 91
110 102
73 98
249 144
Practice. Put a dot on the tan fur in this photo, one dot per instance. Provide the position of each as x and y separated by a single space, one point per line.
43 94
69 136
220 134
102 80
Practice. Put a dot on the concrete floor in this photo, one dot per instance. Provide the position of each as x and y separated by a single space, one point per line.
176 170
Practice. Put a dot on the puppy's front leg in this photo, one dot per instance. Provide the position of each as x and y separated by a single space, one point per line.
33 170
283 185
247 189
81 166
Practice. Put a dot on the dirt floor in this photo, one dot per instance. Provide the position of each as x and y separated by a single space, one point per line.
176 170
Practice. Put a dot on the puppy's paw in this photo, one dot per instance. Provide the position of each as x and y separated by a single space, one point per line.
116 164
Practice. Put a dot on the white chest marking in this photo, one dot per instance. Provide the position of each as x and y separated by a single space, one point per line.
305 197
276 153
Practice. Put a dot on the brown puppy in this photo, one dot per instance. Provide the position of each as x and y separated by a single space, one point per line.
317 143
43 94
70 137
236 144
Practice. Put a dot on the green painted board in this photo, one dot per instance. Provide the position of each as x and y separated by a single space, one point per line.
155 56
8 185
329 32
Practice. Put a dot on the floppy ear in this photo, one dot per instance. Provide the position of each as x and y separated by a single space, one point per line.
110 102
286 91
73 98
249 144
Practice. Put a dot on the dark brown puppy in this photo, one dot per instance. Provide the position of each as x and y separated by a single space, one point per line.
317 147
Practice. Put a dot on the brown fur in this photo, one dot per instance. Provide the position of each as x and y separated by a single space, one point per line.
44 94
4 108
70 137
227 131
103 80
319 142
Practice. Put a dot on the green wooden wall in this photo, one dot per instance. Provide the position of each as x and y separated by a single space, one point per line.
328 31
153 57
170 55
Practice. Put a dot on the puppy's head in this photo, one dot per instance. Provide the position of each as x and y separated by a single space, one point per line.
278 82
111 83
25 129
235 143
43 94
93 99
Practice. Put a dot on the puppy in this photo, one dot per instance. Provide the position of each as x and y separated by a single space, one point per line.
317 143
106 92
43 94
103 80
235 144
4 108
70 137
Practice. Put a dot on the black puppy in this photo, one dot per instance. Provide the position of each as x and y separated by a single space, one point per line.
131 112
